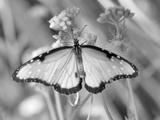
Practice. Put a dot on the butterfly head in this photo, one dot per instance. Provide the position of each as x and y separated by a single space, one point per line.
76 42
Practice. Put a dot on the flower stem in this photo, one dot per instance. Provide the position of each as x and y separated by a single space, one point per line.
90 109
76 100
78 107
132 106
106 109
58 106
50 106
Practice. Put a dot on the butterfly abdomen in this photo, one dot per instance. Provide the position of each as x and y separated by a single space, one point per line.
81 71
80 68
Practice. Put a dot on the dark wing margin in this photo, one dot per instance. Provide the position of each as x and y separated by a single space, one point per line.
56 68
69 91
103 67
39 58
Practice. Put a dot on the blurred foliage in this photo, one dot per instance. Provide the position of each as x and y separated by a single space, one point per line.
24 27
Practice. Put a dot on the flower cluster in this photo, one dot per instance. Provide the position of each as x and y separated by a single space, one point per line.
67 31
64 20
115 14
64 38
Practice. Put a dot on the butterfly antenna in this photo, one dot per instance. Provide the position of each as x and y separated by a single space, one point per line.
84 42
73 104
90 108
83 29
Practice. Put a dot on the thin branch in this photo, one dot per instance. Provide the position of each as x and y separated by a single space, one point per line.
50 106
131 102
76 108
106 108
58 105
90 109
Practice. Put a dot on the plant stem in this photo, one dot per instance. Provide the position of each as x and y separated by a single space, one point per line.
90 109
75 101
84 101
58 106
76 108
106 109
50 106
132 106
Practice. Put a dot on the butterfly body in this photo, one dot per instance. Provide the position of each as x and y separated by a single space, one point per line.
78 56
67 67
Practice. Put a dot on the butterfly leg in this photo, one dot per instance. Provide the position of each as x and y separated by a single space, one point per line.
76 75
81 74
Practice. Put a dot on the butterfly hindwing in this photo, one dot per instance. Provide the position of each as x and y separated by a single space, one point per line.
102 66
66 81
56 68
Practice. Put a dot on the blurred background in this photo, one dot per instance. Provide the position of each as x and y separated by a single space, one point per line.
24 27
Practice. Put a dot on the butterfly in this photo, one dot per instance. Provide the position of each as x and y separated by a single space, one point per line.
66 68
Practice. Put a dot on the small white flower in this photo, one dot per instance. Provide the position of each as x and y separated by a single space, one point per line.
64 20
62 14
68 23
56 44
72 12
54 23
115 14
64 27
56 37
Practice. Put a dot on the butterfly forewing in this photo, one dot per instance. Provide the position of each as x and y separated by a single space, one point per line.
41 66
102 66
56 67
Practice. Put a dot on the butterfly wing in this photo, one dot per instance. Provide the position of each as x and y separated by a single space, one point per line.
102 66
56 68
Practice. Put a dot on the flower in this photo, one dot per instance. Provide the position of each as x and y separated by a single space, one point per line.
64 38
115 14
58 23
64 20
72 12
67 31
